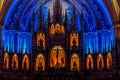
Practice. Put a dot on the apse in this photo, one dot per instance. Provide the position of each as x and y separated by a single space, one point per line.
92 20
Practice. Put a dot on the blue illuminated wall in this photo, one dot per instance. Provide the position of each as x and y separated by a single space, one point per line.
17 37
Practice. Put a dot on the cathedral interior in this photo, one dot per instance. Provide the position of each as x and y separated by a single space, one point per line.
59 39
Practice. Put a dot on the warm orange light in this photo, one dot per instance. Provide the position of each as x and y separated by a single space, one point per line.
100 62
89 62
15 61
6 61
40 62
75 63
1 4
109 61
57 57
41 36
25 63
57 29
74 37
52 29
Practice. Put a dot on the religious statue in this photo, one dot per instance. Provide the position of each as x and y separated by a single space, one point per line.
75 66
51 61
40 66
62 62
25 64
90 64
100 63
5 63
14 64
41 43
74 44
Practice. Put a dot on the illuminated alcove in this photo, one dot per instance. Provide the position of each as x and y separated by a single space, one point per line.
89 62
6 61
25 63
57 57
100 62
75 62
40 63
109 60
15 62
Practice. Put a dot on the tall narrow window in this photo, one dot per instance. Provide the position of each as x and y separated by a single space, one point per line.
75 63
100 62
109 61
25 63
6 61
89 62
15 62
40 63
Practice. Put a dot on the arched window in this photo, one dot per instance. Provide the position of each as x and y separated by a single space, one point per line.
6 61
40 63
15 61
57 57
100 62
109 61
89 62
75 63
25 63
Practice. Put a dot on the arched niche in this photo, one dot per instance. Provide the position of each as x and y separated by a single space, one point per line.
75 62
100 62
6 61
25 62
57 57
40 63
89 62
15 62
109 61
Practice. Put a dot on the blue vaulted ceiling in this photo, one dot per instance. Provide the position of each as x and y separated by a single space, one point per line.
92 18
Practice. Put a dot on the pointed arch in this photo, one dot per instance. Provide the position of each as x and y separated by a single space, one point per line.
15 62
25 63
109 61
89 62
75 62
40 62
6 61
100 62
57 57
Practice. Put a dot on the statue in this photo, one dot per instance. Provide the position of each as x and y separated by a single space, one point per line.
41 43
40 66
100 64
75 66
5 63
62 62
51 61
74 44
14 64
25 64
90 64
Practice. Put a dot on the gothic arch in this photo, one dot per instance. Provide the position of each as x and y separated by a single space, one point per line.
100 61
89 62
25 12
40 62
75 62
15 62
109 60
25 62
57 57
6 61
